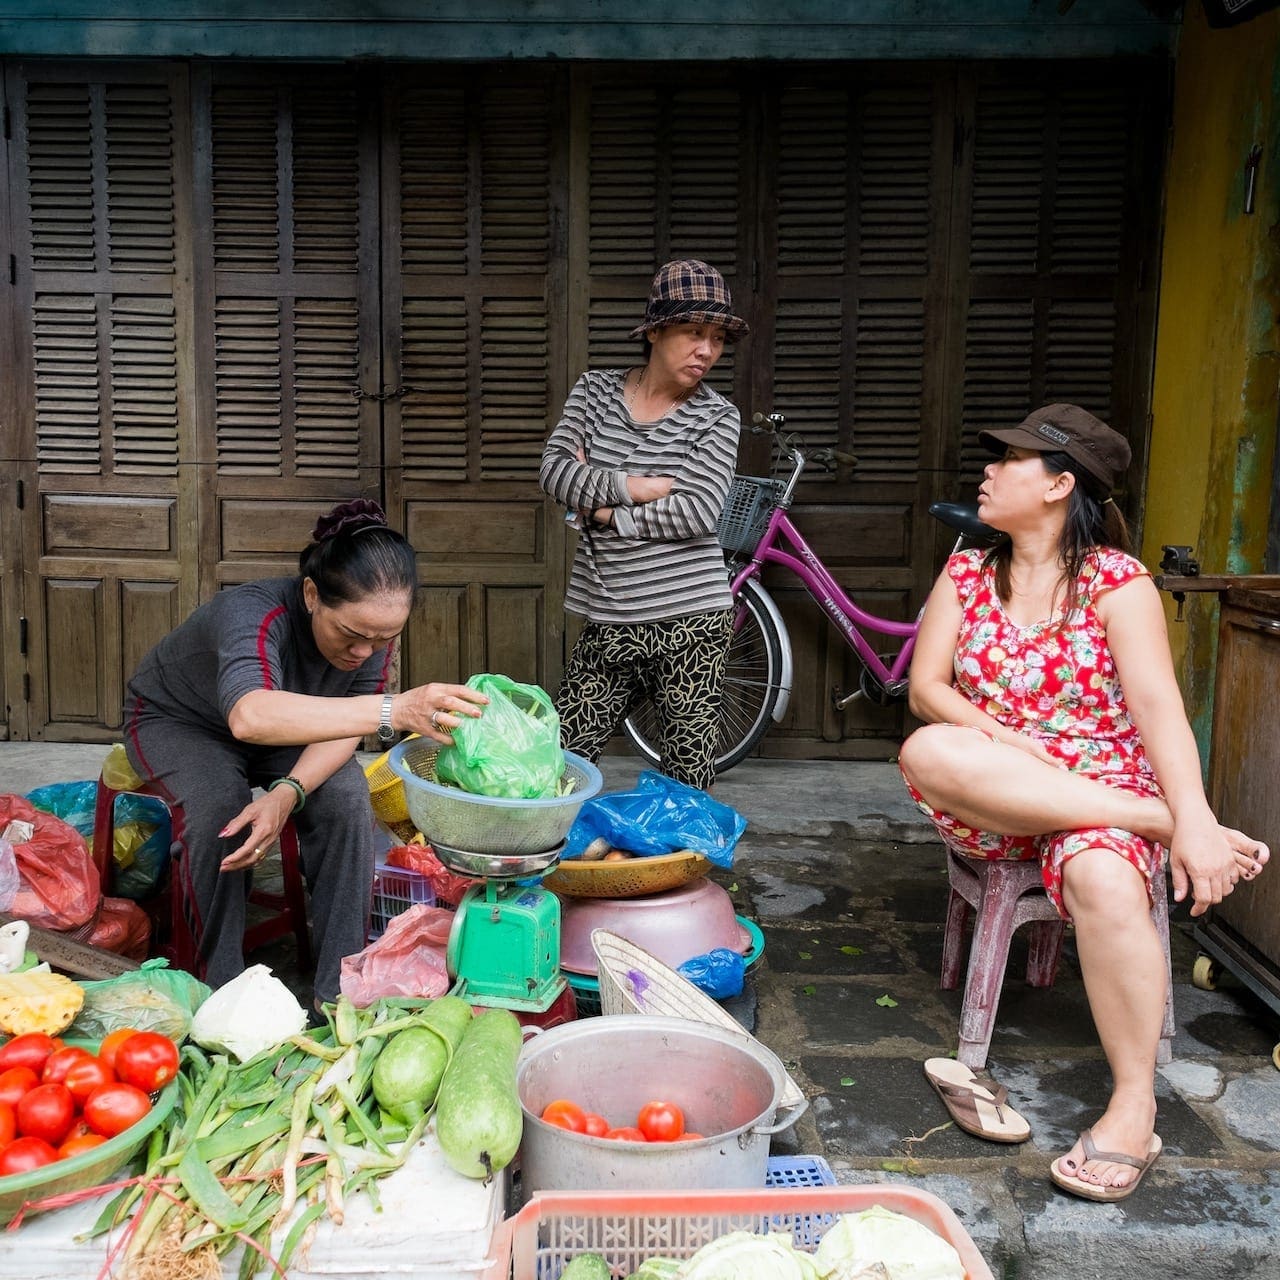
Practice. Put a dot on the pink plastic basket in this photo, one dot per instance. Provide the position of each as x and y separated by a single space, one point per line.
627 1227
396 889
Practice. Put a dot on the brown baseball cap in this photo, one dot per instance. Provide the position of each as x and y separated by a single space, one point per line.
1069 429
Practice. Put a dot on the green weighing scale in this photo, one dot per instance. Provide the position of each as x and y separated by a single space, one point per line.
504 946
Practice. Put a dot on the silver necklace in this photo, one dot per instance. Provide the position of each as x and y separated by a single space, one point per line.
635 393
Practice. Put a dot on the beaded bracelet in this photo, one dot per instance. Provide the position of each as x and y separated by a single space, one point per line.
299 790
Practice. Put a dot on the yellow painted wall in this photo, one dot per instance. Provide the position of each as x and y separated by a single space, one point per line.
1217 360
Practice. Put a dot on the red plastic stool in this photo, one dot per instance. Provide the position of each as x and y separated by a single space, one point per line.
288 908
1007 894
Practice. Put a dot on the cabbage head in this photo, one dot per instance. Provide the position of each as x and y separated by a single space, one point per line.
905 1248
742 1255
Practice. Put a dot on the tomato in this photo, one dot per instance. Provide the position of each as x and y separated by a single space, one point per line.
565 1115
596 1126
15 1082
111 1043
660 1121
47 1112
147 1060
626 1134
8 1125
60 1061
82 1078
24 1154
689 1136
112 1108
78 1143
29 1050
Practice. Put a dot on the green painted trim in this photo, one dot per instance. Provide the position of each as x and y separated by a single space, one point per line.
573 30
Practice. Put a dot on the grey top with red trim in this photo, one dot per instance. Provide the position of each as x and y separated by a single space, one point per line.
254 636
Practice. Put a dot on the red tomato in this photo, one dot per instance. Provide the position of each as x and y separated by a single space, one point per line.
626 1134
112 1108
47 1112
15 1082
60 1061
689 1136
82 1078
29 1050
8 1125
24 1154
660 1121
147 1060
78 1143
111 1043
565 1115
596 1126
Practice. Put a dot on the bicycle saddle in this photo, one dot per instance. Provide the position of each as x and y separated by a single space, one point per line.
963 518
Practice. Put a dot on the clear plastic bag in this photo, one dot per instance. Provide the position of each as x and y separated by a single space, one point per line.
512 750
152 998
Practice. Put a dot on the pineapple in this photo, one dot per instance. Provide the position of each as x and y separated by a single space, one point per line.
36 1001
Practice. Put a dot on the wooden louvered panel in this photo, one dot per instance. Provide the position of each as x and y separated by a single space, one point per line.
513 388
812 187
326 179
703 152
1089 180
248 397
623 184
1080 354
895 176
326 374
1008 162
67 383
806 368
434 406
433 180
139 143
888 388
515 186
144 386
999 355
60 174
246 229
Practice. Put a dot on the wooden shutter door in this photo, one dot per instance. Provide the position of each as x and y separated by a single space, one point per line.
473 310
102 381
287 310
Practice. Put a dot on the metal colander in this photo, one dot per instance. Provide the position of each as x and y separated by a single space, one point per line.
488 824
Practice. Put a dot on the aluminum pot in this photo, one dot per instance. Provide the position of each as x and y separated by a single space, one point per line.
727 1085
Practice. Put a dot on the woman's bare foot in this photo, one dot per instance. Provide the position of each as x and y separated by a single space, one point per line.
1251 855
1126 1129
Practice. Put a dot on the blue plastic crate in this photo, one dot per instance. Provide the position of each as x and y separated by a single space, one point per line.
798 1171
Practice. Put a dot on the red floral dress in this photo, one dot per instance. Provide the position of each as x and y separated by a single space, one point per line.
1056 682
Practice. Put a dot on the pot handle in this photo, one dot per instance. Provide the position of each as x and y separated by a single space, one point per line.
788 1119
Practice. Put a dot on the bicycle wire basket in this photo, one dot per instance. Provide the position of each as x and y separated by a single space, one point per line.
750 501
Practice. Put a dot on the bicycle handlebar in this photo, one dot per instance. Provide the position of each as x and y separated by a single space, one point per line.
772 424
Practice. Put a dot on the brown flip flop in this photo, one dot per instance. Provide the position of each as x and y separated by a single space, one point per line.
1091 1190
976 1102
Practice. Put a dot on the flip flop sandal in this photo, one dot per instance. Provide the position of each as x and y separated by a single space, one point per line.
976 1102
1091 1190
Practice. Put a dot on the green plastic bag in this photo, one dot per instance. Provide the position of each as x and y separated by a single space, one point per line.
513 750
152 998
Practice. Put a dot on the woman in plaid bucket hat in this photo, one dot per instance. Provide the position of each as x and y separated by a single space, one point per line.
642 458
1054 730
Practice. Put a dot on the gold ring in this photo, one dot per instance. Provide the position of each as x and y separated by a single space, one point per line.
435 721
258 852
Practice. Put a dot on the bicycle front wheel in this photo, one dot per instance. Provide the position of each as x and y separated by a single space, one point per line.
749 695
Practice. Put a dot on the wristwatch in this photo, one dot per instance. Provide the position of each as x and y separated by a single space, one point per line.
386 734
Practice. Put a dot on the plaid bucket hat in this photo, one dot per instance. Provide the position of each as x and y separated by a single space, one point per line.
688 291
1067 428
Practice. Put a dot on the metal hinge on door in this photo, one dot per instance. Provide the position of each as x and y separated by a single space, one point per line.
22 637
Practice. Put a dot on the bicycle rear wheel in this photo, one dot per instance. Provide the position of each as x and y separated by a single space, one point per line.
751 689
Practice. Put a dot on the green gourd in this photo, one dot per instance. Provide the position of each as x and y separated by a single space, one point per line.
478 1118
408 1071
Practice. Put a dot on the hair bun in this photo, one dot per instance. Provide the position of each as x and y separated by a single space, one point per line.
349 517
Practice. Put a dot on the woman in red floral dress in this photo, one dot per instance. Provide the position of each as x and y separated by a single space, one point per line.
1055 730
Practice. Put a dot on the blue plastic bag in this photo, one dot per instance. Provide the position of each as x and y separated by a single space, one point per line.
720 973
660 816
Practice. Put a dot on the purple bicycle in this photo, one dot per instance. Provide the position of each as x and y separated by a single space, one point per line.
755 530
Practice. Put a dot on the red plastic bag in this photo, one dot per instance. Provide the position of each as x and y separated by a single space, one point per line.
408 960
60 887
123 927
447 885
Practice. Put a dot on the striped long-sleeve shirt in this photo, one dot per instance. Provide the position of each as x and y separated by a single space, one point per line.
660 559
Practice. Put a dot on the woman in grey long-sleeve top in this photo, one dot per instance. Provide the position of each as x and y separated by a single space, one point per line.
643 459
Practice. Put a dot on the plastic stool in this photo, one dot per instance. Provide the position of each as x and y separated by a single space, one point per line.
289 908
1007 894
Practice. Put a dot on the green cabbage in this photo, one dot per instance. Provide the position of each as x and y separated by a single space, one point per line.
905 1248
740 1255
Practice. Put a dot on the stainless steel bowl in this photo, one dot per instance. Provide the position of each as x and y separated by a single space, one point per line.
496 866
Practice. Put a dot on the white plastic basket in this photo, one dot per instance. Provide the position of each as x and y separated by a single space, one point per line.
634 981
